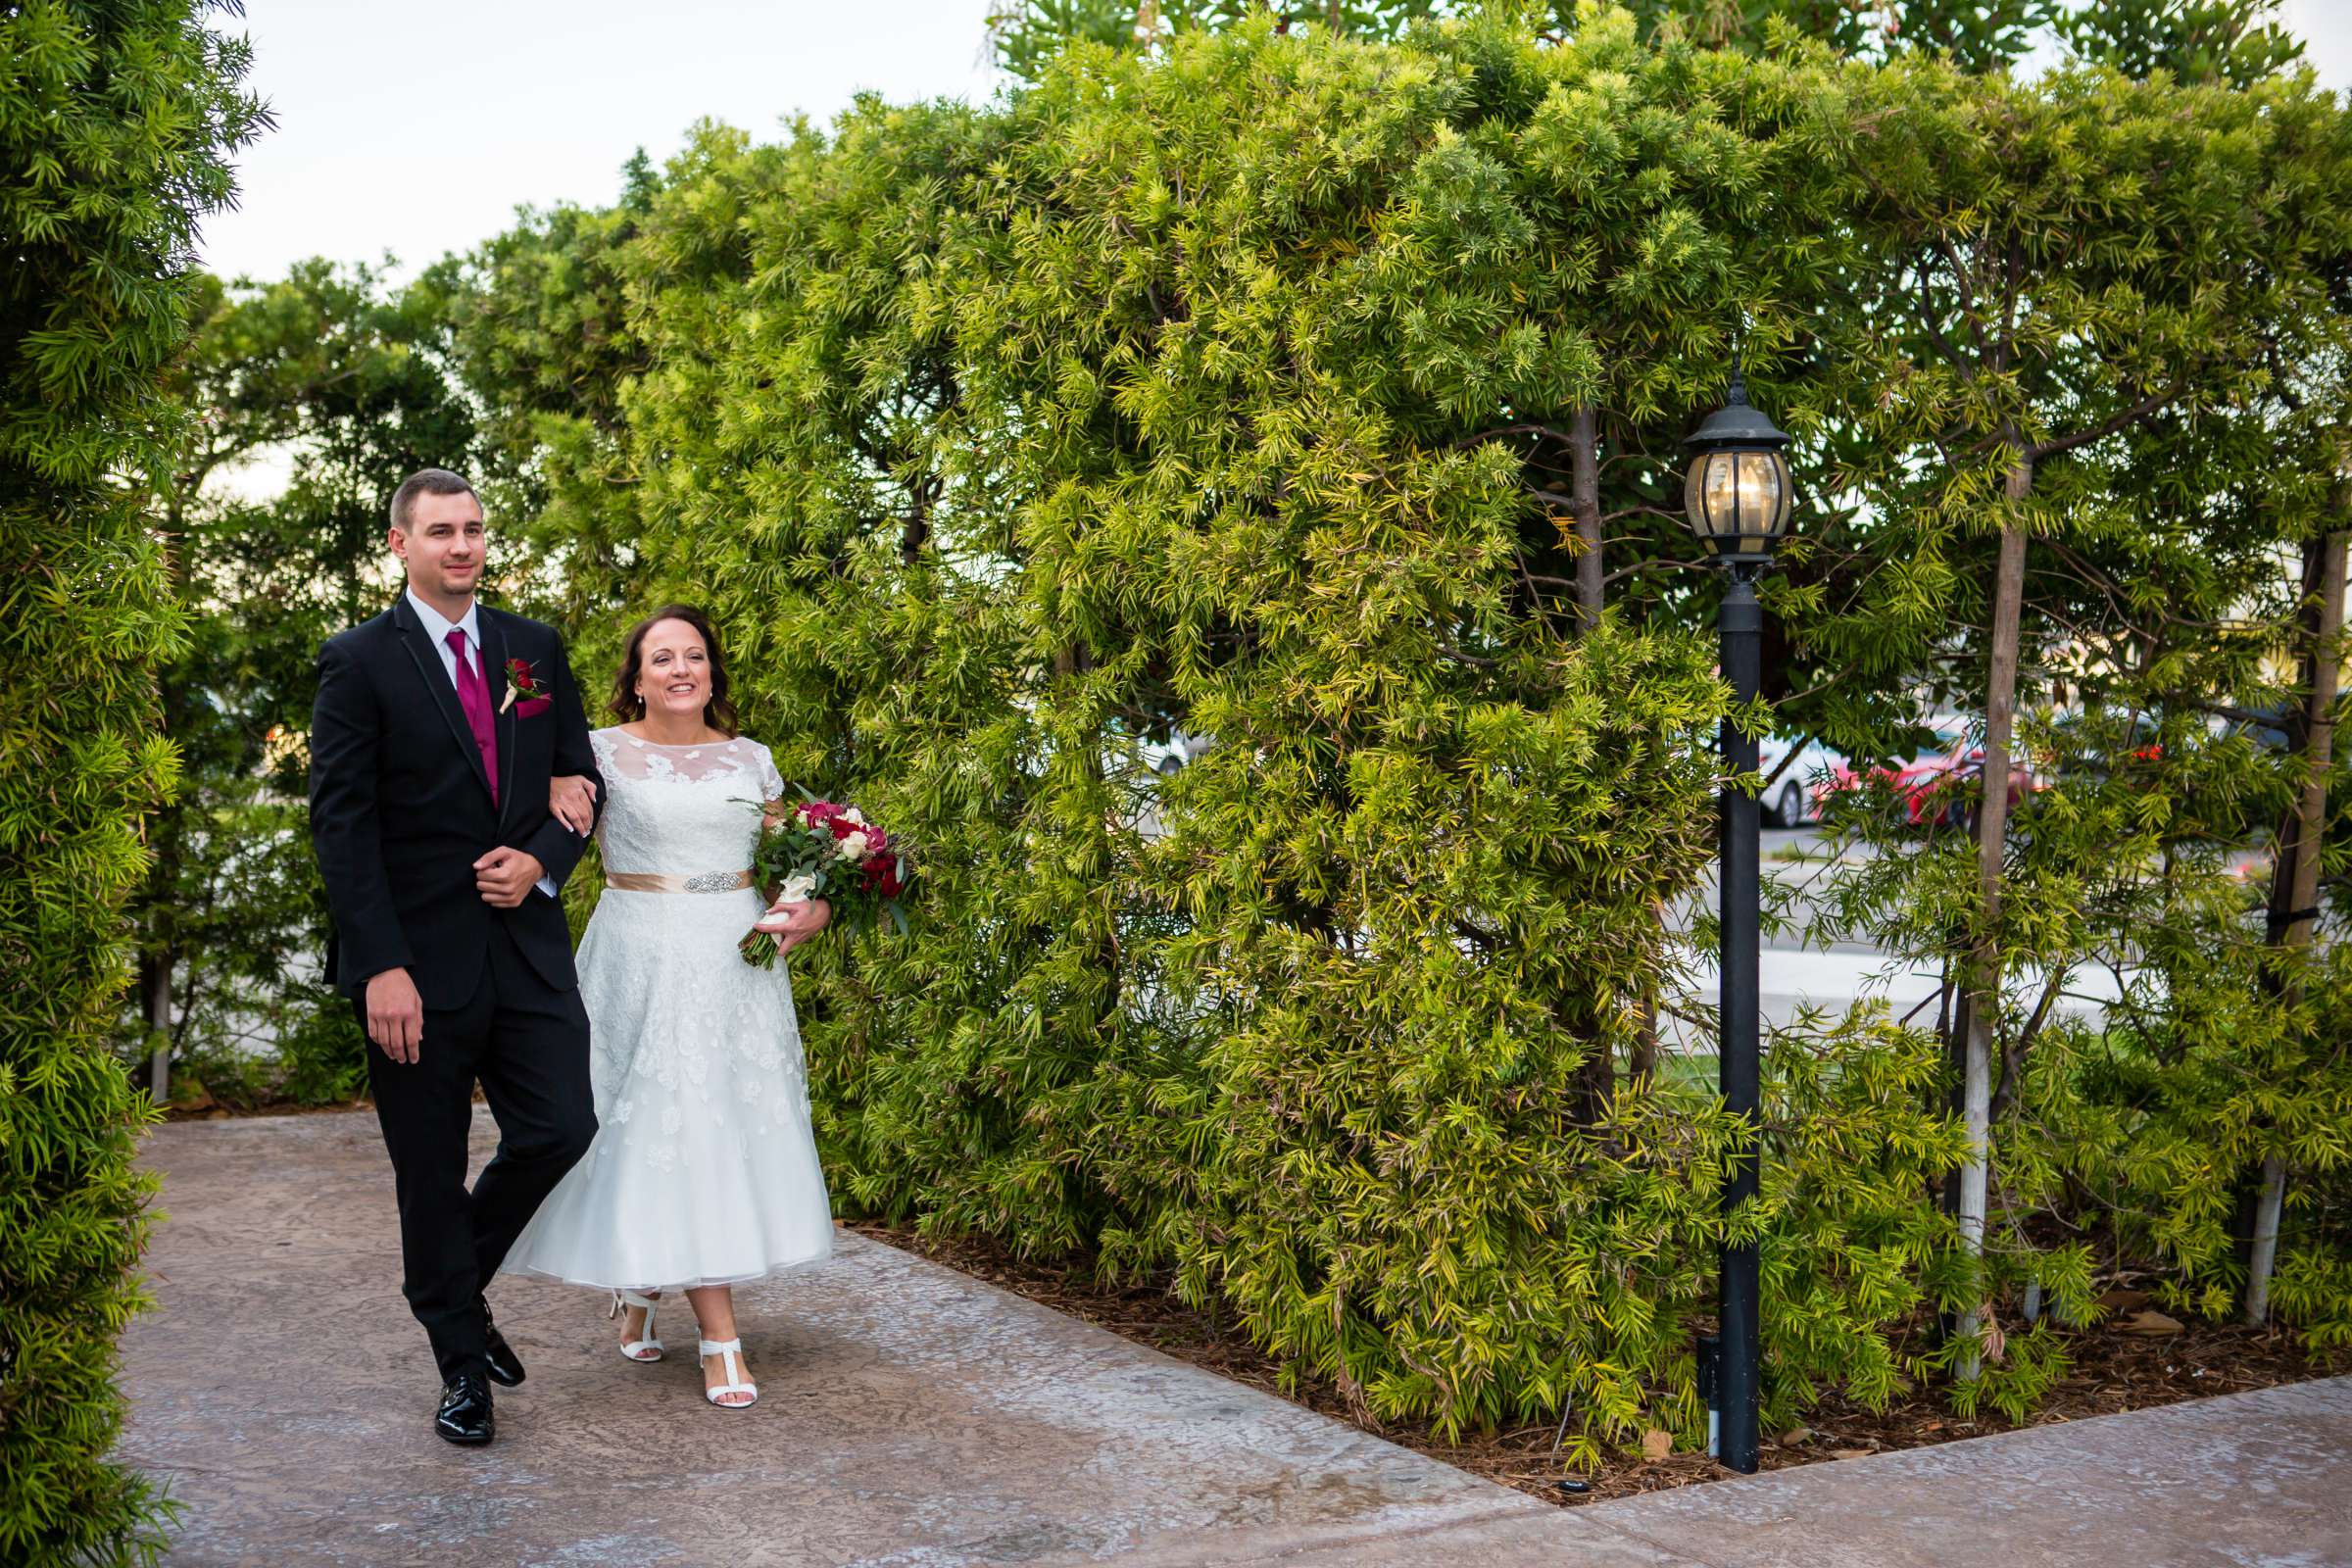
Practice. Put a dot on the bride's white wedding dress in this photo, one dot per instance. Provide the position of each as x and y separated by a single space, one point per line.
704 1170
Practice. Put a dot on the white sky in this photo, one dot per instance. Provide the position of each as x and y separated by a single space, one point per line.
417 127
2326 28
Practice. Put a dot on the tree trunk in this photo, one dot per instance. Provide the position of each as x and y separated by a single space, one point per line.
2295 880
1583 503
1596 1079
922 494
1955 1101
1643 1067
1992 829
2287 861
1147 24
1597 1075
2266 1241
152 907
155 1011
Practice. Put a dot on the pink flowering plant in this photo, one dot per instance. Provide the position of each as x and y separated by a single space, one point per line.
821 849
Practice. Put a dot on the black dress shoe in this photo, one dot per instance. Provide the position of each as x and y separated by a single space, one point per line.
506 1367
465 1415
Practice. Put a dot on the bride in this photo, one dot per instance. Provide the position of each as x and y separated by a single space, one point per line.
704 1171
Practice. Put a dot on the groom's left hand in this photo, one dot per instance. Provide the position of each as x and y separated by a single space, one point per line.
506 876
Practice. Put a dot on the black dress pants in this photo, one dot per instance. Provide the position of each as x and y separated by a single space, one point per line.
527 1042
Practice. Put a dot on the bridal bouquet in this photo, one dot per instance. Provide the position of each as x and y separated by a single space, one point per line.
821 849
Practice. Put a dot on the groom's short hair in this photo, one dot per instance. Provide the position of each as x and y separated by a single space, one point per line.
424 482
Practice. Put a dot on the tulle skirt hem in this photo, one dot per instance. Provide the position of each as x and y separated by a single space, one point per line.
704 1170
767 1271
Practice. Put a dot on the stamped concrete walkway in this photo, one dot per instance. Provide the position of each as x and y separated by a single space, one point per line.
912 1416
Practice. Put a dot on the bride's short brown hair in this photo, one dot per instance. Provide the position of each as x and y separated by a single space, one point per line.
626 705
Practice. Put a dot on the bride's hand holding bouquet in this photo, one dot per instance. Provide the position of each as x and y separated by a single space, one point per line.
787 924
822 854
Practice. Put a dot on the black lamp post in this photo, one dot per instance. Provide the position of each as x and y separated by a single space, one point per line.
1737 499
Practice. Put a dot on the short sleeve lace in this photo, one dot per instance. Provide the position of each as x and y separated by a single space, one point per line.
771 782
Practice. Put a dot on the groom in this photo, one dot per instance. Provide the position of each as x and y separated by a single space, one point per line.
437 726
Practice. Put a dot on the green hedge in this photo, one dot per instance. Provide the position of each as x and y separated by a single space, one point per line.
1003 442
115 120
1233 391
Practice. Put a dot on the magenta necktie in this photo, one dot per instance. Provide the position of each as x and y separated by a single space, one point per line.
474 696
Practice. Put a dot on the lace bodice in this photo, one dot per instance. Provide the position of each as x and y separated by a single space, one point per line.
705 1168
681 810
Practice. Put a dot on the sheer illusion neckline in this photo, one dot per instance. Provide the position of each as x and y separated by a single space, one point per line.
676 746
629 759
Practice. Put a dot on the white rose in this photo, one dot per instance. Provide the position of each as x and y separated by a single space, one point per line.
798 888
852 814
854 848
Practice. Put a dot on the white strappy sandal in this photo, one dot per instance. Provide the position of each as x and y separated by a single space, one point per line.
647 1347
736 1382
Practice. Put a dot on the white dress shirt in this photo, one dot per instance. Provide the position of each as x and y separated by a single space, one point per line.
438 626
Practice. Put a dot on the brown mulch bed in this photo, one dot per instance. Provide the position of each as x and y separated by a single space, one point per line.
2113 1370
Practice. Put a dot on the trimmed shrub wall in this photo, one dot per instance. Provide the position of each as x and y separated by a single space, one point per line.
1321 401
116 122
1007 446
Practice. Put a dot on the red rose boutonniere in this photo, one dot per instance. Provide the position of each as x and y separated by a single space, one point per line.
520 684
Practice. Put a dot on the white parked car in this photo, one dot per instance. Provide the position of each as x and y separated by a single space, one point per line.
1788 797
1166 756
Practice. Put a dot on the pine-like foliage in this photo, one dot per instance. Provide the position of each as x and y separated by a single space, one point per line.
327 368
2103 329
539 331
1183 396
1977 34
117 120
1229 388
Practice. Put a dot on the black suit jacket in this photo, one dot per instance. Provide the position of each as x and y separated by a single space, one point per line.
401 805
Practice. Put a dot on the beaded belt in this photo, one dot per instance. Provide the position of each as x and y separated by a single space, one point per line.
653 882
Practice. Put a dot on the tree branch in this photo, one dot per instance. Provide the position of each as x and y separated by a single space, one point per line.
2013 1061
1639 567
1944 345
1511 429
2105 427
1641 512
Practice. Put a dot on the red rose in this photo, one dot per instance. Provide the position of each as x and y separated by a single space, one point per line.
520 684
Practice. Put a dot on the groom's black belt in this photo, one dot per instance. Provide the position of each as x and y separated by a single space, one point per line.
653 882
